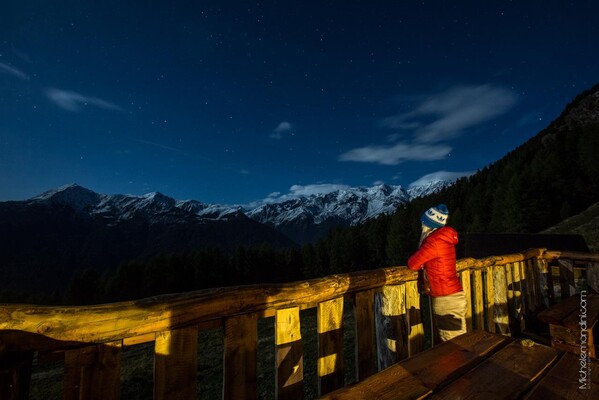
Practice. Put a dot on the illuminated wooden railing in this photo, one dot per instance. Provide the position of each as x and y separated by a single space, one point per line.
504 293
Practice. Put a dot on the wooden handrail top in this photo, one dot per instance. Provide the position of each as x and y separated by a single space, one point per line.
117 321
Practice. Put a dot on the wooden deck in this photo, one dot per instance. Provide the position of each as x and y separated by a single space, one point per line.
481 365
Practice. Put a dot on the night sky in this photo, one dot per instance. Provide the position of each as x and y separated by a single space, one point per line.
234 102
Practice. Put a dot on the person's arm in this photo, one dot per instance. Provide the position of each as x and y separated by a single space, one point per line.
424 254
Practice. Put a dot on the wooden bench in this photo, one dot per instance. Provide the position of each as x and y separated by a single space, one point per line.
476 365
572 323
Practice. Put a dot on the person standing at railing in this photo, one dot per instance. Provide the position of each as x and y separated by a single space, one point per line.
437 258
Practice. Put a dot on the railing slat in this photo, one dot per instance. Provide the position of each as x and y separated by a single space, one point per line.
176 364
478 300
365 339
330 345
15 375
240 357
500 291
490 300
391 325
566 274
415 324
518 296
93 372
289 354
466 285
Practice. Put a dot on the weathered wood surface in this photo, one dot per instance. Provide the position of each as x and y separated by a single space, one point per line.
478 300
391 325
15 375
563 381
329 326
557 313
175 364
365 337
93 372
110 322
417 377
415 324
505 375
466 286
240 357
500 293
289 355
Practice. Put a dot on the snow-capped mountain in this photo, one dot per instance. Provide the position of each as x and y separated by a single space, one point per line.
154 207
306 218
351 205
302 218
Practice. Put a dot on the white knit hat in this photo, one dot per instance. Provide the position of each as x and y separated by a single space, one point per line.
435 217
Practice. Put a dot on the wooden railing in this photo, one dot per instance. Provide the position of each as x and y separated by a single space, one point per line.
504 294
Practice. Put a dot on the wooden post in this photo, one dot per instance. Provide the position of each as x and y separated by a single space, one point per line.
414 314
478 300
466 285
240 357
93 372
289 354
364 325
390 325
15 375
490 300
176 364
330 345
500 292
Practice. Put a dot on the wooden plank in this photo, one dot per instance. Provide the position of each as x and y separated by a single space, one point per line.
391 325
593 277
524 285
15 375
518 297
490 300
289 354
509 276
500 291
544 277
240 357
149 337
465 280
566 277
569 379
558 312
505 375
365 338
330 345
530 286
414 314
536 279
93 372
418 376
478 300
175 364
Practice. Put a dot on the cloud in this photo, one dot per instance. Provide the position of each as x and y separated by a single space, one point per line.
440 176
282 128
72 101
297 191
435 120
393 155
446 115
17 73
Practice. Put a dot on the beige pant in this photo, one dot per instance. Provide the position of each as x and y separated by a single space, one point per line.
449 315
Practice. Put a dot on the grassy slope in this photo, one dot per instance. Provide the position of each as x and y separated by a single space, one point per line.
586 224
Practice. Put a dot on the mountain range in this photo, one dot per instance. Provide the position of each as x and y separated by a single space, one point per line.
66 229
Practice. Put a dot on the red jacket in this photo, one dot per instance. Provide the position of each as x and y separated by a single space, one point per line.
437 256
